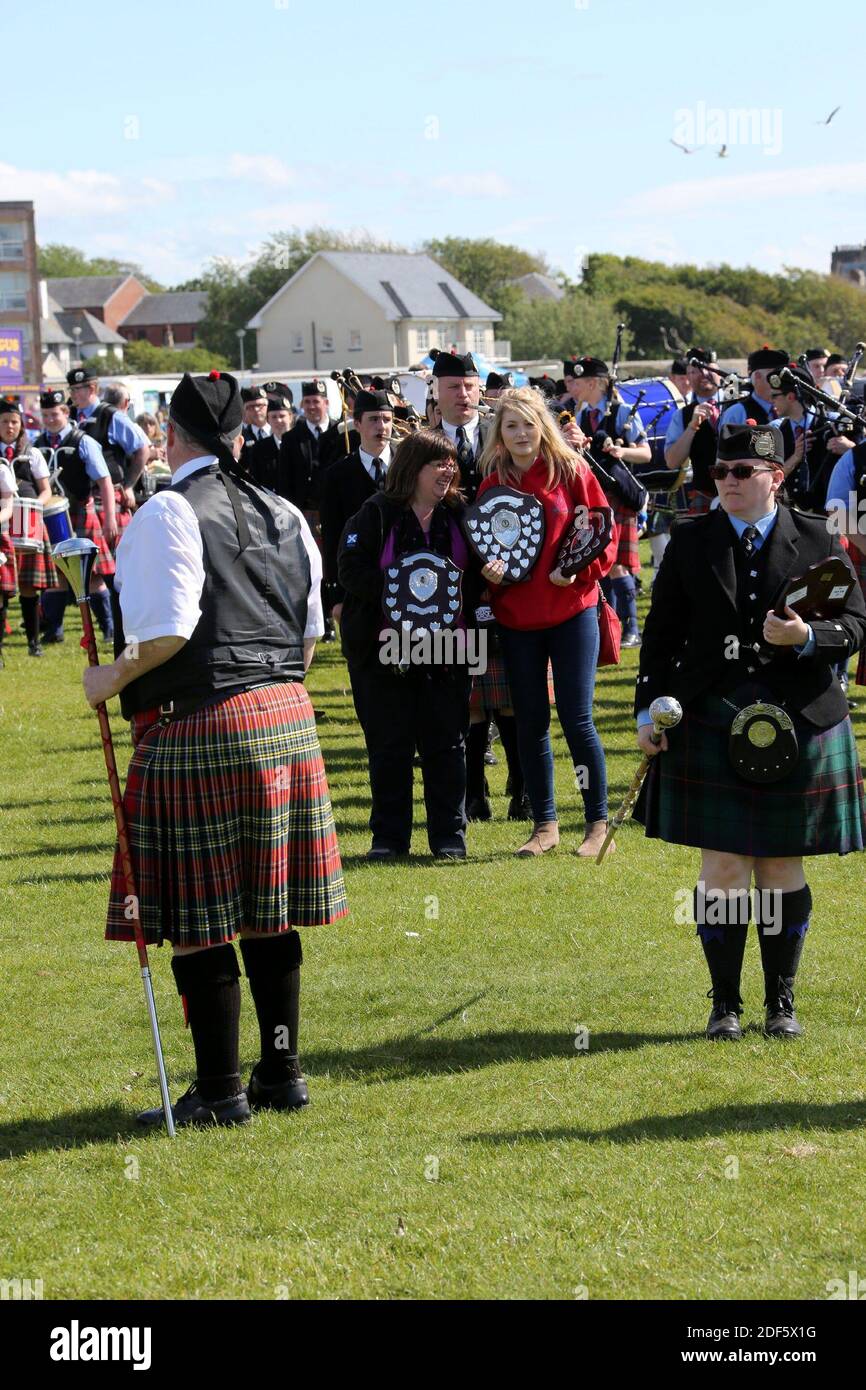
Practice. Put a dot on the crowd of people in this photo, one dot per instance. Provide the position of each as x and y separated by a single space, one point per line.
276 531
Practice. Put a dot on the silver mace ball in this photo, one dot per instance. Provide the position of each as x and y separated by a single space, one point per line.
665 712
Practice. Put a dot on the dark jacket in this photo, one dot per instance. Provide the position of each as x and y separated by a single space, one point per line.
470 478
346 486
261 462
687 638
363 581
302 472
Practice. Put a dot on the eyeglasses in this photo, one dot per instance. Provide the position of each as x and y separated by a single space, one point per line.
443 467
741 471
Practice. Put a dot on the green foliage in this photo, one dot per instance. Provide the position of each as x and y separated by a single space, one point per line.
57 261
545 328
236 293
144 359
484 266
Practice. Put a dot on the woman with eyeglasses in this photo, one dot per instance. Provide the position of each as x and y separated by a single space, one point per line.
419 704
762 770
547 618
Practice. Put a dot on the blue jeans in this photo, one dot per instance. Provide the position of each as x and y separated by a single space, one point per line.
572 648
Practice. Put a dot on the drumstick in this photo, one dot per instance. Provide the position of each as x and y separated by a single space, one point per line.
74 558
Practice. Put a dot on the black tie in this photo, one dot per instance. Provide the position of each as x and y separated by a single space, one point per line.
465 453
748 540
378 475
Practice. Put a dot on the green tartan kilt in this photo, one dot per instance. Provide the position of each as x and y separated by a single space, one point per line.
693 796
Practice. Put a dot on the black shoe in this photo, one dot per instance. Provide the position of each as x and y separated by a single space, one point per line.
781 1021
631 640
449 852
330 631
34 649
519 808
381 854
53 637
724 1021
479 808
490 758
192 1109
289 1094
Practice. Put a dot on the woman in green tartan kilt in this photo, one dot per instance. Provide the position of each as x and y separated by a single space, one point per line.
759 792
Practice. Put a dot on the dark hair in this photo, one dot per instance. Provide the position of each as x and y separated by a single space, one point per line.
413 454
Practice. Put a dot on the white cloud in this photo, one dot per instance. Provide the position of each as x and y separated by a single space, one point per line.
276 217
78 192
487 185
261 168
765 188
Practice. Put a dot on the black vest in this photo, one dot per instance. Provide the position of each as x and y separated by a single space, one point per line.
20 466
703 451
756 410
859 457
97 426
72 477
253 605
751 604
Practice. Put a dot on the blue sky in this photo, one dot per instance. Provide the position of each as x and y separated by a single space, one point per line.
195 129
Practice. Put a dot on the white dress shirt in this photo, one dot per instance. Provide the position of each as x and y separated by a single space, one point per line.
367 460
471 429
8 481
160 569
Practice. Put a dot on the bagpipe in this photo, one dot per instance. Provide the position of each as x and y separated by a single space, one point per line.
406 418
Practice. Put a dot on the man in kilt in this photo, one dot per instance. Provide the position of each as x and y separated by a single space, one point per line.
217 611
846 504
712 640
29 471
82 470
692 432
604 420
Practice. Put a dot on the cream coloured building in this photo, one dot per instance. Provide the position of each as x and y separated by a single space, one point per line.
367 311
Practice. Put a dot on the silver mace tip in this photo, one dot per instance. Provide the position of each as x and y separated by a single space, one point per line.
75 559
665 712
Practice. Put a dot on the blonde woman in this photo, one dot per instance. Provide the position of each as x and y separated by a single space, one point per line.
549 618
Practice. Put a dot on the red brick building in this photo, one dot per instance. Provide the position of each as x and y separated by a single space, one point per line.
166 320
109 298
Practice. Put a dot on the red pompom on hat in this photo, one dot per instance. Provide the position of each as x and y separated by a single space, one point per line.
214 376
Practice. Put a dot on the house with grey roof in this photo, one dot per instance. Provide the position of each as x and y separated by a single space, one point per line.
108 298
537 286
169 319
368 310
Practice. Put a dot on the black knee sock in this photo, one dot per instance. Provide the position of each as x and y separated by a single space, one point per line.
625 602
209 982
476 747
723 924
273 969
100 604
507 726
783 919
30 613
4 607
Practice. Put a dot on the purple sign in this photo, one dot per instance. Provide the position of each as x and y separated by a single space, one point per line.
11 357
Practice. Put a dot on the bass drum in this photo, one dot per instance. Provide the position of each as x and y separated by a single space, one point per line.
656 410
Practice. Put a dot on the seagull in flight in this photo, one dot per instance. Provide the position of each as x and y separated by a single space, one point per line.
682 147
830 117
722 153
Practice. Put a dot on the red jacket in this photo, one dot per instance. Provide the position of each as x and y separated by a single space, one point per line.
536 602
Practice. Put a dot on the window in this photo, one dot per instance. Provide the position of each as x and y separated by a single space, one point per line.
327 342
297 342
478 339
12 236
13 290
423 335
354 340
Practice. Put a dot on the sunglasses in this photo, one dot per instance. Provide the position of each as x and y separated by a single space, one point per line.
740 471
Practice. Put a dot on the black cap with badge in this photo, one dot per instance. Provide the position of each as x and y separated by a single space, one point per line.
586 367
49 399
314 388
371 400
751 441
82 376
765 358
453 364
210 410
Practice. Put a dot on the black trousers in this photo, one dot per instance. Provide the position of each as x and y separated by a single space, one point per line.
398 714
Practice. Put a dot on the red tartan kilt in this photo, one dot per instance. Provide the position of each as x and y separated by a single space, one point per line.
230 823
8 570
492 691
627 553
36 568
122 513
85 523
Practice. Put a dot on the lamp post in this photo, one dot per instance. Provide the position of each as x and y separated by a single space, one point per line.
240 334
76 333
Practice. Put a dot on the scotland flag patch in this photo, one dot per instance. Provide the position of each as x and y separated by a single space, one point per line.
352 538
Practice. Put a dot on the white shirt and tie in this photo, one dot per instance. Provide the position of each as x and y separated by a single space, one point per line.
369 462
471 432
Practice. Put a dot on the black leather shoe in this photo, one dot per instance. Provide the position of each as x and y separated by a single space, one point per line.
34 649
724 1021
479 808
381 854
53 637
449 852
193 1109
781 1021
290 1094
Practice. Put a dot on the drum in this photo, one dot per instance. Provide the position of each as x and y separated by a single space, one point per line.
25 528
56 518
656 410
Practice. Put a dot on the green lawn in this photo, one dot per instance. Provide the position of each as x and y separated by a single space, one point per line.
458 1144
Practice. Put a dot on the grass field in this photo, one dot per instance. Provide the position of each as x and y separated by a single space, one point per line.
459 1144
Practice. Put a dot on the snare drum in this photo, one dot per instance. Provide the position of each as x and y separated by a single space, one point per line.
57 523
25 528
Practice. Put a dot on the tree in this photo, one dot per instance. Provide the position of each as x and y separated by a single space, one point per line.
144 359
57 262
540 329
485 266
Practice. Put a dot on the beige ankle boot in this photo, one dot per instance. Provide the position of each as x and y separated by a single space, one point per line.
545 836
594 839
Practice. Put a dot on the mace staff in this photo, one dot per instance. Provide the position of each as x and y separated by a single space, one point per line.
665 712
75 559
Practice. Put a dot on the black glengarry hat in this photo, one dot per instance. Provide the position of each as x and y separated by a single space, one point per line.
79 376
751 441
586 367
766 358
366 401
453 364
49 399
